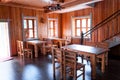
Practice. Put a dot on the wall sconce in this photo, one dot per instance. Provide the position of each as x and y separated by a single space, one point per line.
42 20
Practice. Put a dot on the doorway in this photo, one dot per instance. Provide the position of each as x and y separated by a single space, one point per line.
4 40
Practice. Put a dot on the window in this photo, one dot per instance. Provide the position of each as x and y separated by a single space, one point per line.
52 28
80 24
30 28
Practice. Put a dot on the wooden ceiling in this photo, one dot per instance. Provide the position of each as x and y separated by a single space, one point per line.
69 5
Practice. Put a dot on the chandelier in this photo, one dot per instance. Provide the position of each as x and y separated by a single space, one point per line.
55 5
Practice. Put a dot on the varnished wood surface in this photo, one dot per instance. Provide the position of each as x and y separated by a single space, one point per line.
84 48
60 40
89 51
14 14
99 12
36 43
41 69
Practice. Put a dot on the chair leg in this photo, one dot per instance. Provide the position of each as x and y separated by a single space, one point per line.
61 71
82 57
54 70
31 56
75 74
84 73
64 74
106 58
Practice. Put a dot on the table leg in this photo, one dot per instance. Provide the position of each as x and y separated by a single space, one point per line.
27 45
60 44
103 63
43 49
93 66
106 58
36 50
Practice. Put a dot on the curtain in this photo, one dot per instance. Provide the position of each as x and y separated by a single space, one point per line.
4 40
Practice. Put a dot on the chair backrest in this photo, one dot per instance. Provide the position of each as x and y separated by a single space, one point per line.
70 58
20 46
68 40
40 37
57 57
102 45
55 42
97 44
70 63
48 42
90 44
57 54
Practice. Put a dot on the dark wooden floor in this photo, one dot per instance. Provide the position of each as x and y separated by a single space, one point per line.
41 69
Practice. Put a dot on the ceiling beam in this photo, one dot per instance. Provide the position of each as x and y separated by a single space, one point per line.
21 6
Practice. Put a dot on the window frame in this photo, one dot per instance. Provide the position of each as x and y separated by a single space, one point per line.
74 25
30 18
55 27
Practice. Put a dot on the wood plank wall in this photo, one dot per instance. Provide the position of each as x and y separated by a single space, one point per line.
14 14
101 11
67 23
57 16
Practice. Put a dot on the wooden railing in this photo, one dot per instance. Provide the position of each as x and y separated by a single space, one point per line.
105 30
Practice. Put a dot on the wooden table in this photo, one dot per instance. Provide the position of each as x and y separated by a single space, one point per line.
60 40
35 43
89 51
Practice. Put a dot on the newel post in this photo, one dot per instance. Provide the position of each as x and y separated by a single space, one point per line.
81 40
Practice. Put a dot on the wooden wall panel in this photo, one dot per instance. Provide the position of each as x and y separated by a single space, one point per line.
104 9
15 29
42 26
100 11
67 21
57 16
4 12
14 14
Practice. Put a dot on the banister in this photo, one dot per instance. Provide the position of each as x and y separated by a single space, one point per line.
102 22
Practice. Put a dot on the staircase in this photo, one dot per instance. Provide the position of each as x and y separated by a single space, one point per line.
106 31
113 41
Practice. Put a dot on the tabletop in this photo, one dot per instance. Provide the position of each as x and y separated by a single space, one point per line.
36 41
84 48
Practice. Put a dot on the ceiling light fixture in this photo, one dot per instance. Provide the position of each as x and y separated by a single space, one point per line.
55 5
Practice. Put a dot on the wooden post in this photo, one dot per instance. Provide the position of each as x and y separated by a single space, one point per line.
81 41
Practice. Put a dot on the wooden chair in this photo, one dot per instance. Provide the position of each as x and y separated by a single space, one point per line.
48 46
22 51
90 43
102 58
40 37
71 66
68 40
57 58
